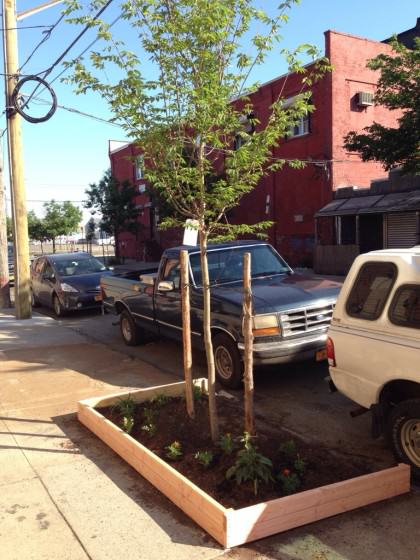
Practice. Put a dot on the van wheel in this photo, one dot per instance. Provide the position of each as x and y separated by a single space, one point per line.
129 329
404 433
227 360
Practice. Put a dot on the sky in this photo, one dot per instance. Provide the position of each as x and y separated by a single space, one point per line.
65 154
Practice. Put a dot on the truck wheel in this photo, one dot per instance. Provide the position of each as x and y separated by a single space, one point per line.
129 330
229 368
404 433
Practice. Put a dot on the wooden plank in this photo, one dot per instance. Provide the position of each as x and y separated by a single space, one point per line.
279 515
203 509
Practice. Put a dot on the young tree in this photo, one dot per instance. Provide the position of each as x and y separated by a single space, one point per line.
60 219
184 121
36 229
398 89
114 200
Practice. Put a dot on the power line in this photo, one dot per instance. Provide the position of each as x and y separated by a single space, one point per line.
43 40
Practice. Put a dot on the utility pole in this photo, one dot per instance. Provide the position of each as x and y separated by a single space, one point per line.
17 185
4 258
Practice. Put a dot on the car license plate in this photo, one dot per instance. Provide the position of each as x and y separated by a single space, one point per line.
98 297
321 355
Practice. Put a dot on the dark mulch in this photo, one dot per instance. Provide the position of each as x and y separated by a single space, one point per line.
173 424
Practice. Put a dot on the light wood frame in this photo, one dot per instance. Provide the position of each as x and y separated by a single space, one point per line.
227 526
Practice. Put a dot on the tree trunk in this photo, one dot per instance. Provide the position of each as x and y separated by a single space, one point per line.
248 347
53 243
211 372
186 334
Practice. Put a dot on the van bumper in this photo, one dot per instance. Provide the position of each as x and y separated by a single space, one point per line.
285 351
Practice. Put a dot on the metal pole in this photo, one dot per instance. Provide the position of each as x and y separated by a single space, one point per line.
17 185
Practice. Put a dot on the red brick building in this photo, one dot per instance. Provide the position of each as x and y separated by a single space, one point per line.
291 197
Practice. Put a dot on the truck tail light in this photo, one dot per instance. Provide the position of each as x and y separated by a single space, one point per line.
331 352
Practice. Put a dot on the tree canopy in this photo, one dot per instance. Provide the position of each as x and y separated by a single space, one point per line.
115 202
61 218
398 89
183 116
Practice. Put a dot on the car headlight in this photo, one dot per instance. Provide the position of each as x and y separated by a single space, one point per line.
67 288
265 325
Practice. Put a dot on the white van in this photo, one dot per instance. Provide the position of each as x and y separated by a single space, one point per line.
374 345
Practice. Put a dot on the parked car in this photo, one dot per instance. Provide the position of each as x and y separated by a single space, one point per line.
374 346
292 312
67 281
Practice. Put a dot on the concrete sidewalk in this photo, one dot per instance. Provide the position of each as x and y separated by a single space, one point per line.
65 495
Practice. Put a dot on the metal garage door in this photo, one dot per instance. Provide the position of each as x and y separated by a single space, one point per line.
401 230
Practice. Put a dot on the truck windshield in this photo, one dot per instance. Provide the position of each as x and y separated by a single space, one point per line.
226 265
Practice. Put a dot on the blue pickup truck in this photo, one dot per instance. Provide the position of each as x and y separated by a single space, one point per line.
291 312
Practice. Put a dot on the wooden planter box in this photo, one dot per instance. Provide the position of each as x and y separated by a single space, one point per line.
228 526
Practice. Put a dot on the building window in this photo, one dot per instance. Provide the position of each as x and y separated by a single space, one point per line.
303 124
248 127
371 290
405 307
139 163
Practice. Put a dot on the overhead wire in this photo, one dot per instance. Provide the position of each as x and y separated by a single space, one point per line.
43 40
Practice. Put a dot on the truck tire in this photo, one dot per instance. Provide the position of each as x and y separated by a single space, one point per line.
404 433
129 330
227 360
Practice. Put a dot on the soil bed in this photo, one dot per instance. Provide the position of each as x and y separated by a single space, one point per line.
171 423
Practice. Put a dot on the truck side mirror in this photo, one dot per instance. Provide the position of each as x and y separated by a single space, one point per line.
166 286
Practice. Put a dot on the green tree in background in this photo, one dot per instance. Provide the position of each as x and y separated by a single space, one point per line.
61 218
37 229
398 89
183 118
114 201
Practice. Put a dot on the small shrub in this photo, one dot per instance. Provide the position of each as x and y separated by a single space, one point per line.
149 428
250 465
290 481
128 423
289 448
227 444
160 400
205 458
197 393
300 465
149 416
174 450
125 406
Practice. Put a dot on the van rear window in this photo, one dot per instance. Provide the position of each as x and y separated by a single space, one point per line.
405 306
371 290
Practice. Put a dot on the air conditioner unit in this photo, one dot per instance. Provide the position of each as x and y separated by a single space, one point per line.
364 98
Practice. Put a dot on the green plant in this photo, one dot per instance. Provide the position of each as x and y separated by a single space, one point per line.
197 393
128 423
300 465
149 416
160 399
290 481
250 465
227 444
125 406
174 450
289 448
205 458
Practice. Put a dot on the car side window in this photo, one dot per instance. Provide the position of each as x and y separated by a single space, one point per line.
172 272
405 307
371 290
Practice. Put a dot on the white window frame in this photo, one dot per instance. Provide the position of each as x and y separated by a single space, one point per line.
139 165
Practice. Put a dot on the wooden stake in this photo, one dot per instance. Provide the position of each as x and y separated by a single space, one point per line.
248 347
186 333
